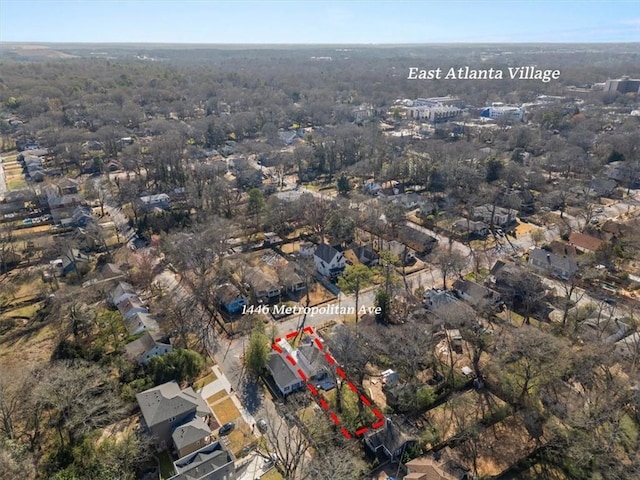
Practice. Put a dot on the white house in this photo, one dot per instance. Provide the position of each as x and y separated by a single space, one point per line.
121 292
146 347
329 261
140 322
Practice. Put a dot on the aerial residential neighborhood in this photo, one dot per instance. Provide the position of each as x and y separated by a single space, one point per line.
319 261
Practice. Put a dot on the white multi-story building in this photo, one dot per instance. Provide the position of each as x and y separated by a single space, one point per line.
506 112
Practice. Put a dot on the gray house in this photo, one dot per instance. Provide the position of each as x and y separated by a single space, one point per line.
166 407
563 267
191 436
211 462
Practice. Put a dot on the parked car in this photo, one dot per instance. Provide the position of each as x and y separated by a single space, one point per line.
262 425
226 428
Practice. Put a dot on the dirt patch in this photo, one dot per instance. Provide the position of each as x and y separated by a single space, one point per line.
462 412
217 396
317 295
117 430
226 411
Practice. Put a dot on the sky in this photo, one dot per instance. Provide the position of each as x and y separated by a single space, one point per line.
319 22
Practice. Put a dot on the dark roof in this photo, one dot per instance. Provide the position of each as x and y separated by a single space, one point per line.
288 276
551 260
281 370
326 253
389 437
365 254
202 463
406 233
259 280
477 293
227 293
159 404
141 320
142 345
190 432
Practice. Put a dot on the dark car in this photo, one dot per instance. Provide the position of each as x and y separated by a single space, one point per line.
226 428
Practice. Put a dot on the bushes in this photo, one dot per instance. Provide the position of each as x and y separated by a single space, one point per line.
181 365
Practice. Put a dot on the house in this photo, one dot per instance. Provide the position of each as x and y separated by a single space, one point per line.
68 186
287 137
263 287
160 200
363 254
405 254
521 200
149 345
74 261
81 217
388 442
411 201
477 295
584 242
603 187
471 229
494 215
230 298
308 358
110 271
211 462
290 280
130 306
329 261
372 188
563 267
121 292
191 436
283 373
416 239
516 284
166 407
438 298
307 249
140 322
441 465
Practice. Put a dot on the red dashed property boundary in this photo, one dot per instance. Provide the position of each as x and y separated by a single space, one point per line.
379 422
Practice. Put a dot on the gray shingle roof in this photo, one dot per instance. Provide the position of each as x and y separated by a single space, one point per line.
326 253
190 432
165 401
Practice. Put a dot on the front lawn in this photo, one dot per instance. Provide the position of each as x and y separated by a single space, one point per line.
225 411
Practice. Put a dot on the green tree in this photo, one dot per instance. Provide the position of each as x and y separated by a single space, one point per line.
182 365
353 280
257 353
343 185
255 207
494 170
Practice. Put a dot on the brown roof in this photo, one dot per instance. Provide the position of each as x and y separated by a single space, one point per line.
586 242
426 468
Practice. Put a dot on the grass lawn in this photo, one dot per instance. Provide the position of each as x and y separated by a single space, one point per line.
16 184
217 396
240 437
198 384
23 312
166 466
272 474
225 411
